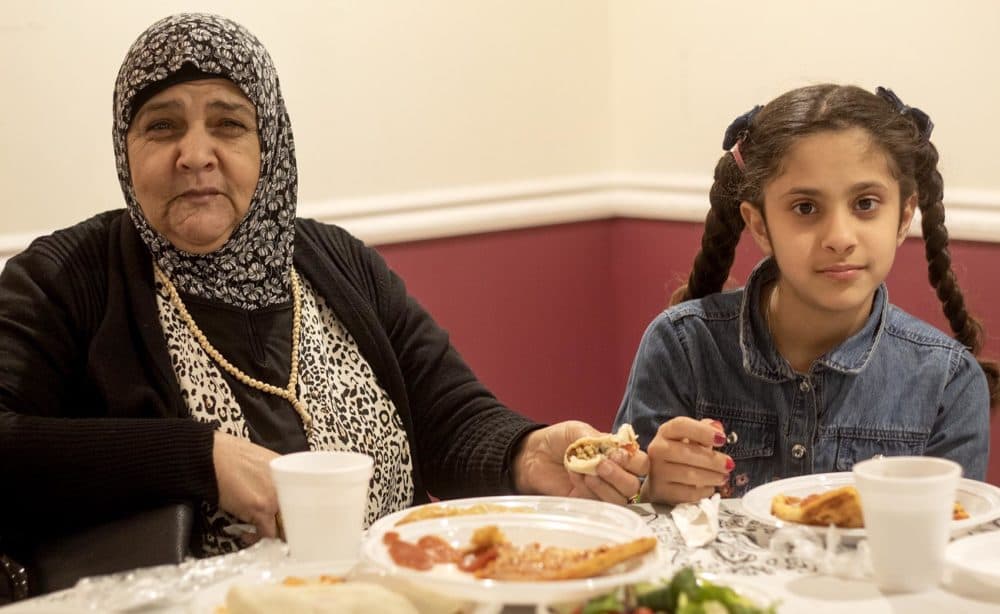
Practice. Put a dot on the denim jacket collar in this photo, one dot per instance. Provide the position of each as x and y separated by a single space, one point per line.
760 356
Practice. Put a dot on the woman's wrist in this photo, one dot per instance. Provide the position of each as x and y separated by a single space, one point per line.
523 458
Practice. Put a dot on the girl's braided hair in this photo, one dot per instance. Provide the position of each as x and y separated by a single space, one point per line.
761 139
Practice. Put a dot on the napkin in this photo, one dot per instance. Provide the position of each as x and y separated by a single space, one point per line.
698 523
823 552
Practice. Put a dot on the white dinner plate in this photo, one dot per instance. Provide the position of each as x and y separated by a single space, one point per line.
566 531
980 500
586 509
977 556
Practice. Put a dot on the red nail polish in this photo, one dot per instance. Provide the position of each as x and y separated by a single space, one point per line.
730 464
719 439
717 425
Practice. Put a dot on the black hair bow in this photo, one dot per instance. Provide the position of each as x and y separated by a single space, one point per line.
923 121
738 128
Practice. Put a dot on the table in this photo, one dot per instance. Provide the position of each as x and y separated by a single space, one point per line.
745 554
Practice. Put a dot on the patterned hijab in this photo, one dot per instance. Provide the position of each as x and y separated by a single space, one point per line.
251 269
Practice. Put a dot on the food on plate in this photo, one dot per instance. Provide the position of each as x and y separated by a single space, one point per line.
840 507
315 598
491 556
443 510
535 562
685 593
958 512
584 454
320 579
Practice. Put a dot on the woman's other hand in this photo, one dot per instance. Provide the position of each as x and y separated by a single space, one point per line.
538 466
245 487
683 463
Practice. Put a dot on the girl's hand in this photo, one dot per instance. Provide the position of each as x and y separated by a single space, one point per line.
538 466
246 491
683 464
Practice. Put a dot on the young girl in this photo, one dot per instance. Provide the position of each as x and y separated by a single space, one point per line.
809 368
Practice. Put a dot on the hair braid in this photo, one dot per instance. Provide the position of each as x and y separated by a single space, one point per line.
723 226
967 329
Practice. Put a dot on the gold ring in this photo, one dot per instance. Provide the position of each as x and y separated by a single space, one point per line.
634 499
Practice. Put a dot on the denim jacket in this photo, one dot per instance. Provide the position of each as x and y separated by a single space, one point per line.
897 387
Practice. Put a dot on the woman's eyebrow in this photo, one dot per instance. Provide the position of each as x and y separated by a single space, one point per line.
232 107
160 105
174 104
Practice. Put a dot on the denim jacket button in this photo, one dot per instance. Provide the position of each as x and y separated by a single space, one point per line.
804 385
798 450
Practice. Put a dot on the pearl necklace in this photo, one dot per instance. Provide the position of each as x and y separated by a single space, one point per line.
288 392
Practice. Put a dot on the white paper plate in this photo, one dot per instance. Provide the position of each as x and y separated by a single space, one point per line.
586 509
977 556
744 586
208 600
980 500
564 530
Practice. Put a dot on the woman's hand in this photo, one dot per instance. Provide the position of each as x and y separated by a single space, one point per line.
683 464
245 488
538 466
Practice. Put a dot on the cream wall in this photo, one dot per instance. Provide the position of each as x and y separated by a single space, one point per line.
386 96
683 70
393 101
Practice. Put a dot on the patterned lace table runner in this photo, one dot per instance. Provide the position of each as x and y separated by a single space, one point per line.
747 547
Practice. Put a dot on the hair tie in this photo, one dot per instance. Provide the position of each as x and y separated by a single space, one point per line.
736 133
921 119
737 156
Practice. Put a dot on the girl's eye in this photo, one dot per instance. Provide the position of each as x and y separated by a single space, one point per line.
804 208
867 204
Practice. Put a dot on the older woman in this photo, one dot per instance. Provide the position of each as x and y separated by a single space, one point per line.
170 350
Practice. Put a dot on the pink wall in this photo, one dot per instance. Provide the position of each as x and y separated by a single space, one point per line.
550 317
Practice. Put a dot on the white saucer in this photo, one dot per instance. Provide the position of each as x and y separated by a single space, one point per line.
978 557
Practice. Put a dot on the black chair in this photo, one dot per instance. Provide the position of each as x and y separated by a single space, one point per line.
156 536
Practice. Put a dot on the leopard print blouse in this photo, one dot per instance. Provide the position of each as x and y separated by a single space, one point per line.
350 410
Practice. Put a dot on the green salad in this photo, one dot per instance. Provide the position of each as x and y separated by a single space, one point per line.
685 593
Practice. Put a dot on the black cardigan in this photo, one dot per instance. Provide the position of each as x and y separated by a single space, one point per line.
92 423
